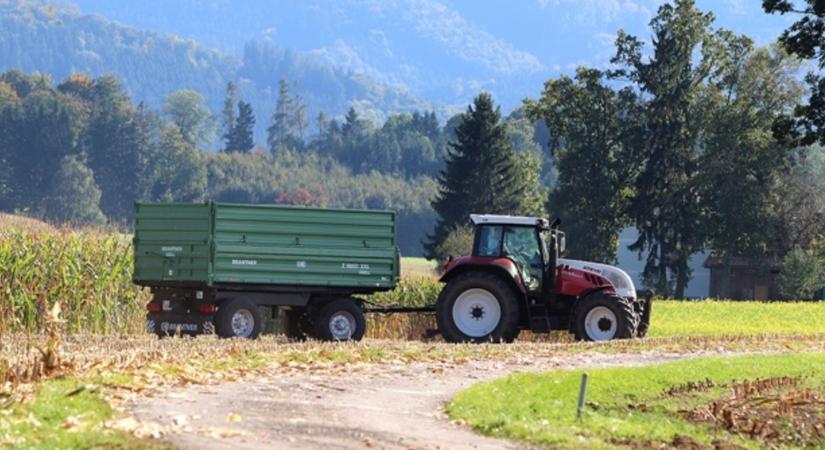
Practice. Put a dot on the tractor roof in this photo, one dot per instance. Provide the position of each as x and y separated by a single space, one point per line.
479 219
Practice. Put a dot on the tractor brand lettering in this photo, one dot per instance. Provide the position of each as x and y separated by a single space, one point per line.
244 262
171 249
353 266
301 264
592 269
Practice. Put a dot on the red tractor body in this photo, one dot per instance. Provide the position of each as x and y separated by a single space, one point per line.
514 280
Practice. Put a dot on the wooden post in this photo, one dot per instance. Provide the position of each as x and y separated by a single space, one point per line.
582 397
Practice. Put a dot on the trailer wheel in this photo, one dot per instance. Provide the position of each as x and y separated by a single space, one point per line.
340 320
238 318
477 307
603 316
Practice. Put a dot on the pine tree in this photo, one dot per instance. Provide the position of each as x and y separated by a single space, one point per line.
298 116
280 131
321 123
481 174
228 111
240 138
666 207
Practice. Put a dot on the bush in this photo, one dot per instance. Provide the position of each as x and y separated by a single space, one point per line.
801 274
458 243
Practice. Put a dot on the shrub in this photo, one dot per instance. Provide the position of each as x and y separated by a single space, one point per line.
801 274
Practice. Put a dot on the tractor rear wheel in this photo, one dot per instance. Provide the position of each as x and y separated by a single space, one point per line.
604 316
477 307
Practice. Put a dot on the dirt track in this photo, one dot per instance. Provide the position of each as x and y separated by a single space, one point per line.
390 405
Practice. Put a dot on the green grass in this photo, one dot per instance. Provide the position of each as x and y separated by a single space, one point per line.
717 318
541 408
54 418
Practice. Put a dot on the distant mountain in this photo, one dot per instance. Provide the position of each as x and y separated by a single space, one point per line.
425 46
57 39
442 50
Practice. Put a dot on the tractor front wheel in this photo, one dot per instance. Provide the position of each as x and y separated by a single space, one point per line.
477 307
603 316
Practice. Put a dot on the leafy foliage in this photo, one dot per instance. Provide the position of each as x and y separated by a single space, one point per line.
74 197
458 243
805 39
802 274
595 131
186 109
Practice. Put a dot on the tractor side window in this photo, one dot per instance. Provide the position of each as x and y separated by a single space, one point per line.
489 240
522 246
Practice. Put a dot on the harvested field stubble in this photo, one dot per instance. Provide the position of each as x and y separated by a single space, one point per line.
208 359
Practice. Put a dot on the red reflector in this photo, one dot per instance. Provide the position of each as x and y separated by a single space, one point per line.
153 307
207 308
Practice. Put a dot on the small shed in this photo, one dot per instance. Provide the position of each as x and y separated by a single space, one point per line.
748 278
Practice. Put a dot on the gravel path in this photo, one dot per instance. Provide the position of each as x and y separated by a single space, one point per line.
390 405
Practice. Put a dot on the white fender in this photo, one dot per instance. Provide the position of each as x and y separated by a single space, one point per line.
619 278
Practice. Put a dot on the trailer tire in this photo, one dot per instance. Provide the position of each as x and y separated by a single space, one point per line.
484 286
238 318
604 316
340 320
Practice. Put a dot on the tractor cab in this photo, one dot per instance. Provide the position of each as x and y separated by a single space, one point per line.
514 279
533 244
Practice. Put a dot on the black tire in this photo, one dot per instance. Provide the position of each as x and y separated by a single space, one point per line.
329 318
228 310
508 326
644 318
622 309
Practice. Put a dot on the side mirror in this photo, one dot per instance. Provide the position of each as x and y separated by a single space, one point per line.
562 242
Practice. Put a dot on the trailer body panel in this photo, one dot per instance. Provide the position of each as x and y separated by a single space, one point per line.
265 246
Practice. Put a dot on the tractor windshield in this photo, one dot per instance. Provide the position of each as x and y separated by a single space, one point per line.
521 244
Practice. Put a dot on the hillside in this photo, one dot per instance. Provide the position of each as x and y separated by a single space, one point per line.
59 40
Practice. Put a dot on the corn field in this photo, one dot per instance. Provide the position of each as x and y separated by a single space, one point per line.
86 272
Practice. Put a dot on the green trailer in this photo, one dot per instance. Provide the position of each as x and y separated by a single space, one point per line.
212 266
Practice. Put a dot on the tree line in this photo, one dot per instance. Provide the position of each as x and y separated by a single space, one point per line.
80 151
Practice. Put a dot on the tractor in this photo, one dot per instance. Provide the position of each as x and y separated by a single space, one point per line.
515 280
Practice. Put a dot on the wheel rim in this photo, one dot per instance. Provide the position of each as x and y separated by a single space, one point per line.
476 312
243 323
342 325
600 324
